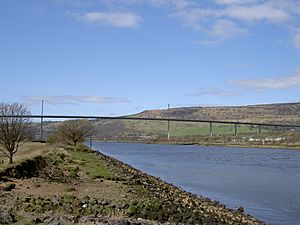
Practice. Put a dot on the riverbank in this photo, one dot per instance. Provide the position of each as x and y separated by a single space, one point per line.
81 186
208 144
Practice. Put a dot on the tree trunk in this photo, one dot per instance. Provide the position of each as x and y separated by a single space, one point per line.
11 158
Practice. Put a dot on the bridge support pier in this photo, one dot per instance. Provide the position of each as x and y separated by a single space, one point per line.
259 129
168 130
235 129
210 129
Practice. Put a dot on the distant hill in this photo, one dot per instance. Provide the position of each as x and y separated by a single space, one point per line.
285 113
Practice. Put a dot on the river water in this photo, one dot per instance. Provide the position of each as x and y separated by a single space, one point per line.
266 182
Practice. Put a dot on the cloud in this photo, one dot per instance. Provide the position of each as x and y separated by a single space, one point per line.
260 85
208 43
290 6
232 18
261 12
175 4
248 13
205 17
72 99
226 29
178 4
229 2
296 38
213 92
115 19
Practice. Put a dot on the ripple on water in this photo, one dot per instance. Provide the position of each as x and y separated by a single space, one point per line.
265 182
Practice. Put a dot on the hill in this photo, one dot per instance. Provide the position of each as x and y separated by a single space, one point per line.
285 113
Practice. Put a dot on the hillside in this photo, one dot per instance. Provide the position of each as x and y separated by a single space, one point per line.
286 113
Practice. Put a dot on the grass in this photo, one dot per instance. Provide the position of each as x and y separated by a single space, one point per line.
26 151
77 160
92 166
181 129
70 189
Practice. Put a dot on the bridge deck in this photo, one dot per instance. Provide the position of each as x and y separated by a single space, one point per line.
159 119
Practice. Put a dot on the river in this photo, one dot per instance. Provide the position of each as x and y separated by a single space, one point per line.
266 182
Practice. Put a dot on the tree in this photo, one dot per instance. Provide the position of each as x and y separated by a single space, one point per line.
75 131
14 122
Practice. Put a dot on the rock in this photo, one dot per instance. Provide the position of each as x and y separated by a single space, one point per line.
6 218
59 221
86 199
123 206
104 202
38 220
2 187
84 206
125 222
240 210
27 199
55 200
93 201
7 187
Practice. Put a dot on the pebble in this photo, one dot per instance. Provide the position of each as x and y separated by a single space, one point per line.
84 206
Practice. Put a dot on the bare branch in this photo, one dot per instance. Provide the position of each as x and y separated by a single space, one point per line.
75 131
12 129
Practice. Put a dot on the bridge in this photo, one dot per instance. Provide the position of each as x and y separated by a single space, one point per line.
210 122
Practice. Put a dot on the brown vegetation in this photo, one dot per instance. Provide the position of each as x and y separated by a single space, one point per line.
92 188
75 131
12 129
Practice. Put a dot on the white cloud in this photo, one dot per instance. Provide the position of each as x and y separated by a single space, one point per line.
72 99
116 19
290 6
229 2
205 17
248 13
213 92
233 18
178 4
262 12
226 29
264 84
296 38
208 43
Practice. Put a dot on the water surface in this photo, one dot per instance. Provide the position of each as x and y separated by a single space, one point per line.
266 182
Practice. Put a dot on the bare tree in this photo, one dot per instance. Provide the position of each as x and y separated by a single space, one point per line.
75 131
14 122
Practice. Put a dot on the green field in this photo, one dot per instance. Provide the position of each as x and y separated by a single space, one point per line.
180 129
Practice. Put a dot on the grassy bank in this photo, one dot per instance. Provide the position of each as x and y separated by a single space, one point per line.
82 186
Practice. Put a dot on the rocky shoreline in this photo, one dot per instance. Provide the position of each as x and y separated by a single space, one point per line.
64 187
200 207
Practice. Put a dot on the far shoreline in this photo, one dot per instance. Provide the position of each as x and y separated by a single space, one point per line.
273 147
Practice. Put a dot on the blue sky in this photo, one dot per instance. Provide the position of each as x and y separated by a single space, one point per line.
116 57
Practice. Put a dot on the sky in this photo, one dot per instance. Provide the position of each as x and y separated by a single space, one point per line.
118 57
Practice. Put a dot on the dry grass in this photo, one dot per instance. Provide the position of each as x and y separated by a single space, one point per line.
27 150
